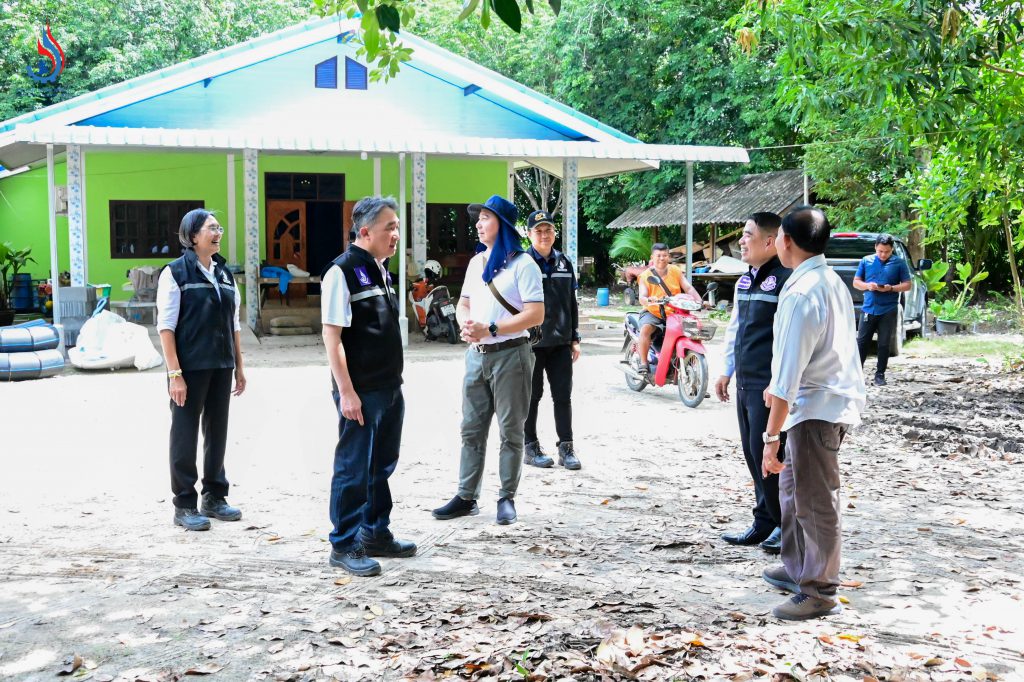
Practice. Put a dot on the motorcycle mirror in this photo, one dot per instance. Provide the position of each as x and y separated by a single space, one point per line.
712 287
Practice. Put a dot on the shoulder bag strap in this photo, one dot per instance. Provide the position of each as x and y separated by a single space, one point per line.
501 299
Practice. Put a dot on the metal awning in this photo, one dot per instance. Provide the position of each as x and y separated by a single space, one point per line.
27 144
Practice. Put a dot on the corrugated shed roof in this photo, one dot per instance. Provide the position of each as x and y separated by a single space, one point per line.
777 191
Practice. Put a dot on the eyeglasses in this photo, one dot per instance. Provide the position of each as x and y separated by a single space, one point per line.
215 230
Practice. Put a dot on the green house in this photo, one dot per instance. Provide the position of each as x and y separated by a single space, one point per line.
280 136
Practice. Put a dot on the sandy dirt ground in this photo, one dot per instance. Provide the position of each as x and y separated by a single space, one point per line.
612 572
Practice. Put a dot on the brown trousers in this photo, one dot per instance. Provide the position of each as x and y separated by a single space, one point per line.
809 499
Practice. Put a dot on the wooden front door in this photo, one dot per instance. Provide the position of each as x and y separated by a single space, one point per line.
286 236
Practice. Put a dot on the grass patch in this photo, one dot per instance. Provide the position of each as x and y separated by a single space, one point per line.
962 346
606 318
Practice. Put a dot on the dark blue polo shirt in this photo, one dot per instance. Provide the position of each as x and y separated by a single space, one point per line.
893 271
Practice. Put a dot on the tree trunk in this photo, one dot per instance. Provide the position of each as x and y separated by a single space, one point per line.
1017 294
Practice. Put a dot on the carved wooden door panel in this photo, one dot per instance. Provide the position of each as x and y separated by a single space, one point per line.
286 236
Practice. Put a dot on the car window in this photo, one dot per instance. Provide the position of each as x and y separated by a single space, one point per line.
849 247
901 251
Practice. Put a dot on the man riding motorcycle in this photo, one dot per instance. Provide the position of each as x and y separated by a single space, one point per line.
662 280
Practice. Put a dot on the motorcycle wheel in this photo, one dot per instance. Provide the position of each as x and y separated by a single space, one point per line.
453 331
633 360
691 378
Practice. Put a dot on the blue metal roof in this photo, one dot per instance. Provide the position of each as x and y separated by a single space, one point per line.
278 92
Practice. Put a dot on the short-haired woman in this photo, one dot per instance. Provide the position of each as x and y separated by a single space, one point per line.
197 311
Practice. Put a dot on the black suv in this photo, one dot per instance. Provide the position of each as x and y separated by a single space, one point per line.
844 252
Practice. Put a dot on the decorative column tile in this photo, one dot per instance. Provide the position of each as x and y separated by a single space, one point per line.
419 209
251 182
570 210
76 215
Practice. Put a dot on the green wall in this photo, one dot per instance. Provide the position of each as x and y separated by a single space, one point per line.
180 175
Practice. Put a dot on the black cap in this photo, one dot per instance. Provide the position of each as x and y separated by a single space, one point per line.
538 217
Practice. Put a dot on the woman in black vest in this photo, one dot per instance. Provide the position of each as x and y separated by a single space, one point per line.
197 309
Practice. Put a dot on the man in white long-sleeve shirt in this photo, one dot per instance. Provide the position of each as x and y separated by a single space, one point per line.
816 395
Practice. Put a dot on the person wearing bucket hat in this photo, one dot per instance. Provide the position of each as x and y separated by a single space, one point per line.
500 279
559 346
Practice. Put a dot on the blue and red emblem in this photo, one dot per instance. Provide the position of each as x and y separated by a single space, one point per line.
51 51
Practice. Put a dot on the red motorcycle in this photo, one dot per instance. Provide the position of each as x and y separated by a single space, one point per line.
677 354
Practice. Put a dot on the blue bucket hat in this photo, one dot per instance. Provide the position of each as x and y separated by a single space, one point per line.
509 243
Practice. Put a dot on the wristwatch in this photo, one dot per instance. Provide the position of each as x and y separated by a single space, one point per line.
493 328
768 438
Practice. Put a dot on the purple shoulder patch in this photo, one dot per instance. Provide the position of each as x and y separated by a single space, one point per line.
744 282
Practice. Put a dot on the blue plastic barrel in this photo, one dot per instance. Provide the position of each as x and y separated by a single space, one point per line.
602 297
22 298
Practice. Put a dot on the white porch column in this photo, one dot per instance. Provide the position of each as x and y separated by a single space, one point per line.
251 183
570 209
689 220
403 221
510 190
232 218
419 209
376 176
51 193
76 215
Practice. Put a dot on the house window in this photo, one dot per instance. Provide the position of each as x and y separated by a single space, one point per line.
326 73
355 75
147 229
307 186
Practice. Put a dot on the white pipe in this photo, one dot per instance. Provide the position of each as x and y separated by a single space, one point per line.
232 218
54 261
689 220
403 321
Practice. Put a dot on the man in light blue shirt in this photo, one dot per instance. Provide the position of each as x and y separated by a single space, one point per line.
816 395
882 277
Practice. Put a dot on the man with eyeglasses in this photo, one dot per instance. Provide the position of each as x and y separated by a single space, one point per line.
559 346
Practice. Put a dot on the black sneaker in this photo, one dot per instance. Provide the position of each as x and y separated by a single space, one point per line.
506 511
455 508
387 546
190 519
567 456
218 508
535 457
880 380
355 561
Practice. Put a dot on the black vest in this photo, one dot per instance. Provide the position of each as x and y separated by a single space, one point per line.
373 343
205 335
559 301
757 299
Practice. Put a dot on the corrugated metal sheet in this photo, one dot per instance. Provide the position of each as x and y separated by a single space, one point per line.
383 142
777 192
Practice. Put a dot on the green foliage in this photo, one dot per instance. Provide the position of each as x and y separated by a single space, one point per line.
520 664
109 42
11 263
953 309
632 244
935 276
381 23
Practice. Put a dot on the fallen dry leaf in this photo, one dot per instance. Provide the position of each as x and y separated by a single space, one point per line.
71 664
344 580
205 669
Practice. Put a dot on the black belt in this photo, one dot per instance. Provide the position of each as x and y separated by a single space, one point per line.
501 345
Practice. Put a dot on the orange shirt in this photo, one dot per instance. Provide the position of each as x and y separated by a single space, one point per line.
673 280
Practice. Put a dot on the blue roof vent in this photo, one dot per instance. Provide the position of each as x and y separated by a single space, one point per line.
355 75
327 73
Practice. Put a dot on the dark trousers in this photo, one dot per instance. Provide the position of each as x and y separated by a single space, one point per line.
753 418
364 459
557 363
811 522
207 397
883 324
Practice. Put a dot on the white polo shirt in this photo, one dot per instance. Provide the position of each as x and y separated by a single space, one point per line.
519 283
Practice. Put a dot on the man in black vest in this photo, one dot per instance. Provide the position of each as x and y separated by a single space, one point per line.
559 346
748 354
364 347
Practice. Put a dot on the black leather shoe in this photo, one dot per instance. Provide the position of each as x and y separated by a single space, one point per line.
506 511
355 561
455 508
535 457
750 536
190 519
387 546
880 380
773 545
567 456
218 508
